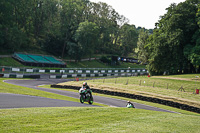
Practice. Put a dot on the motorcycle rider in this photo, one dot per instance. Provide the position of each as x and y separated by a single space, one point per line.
130 105
85 86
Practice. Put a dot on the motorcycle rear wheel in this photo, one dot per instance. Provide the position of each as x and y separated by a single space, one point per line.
91 100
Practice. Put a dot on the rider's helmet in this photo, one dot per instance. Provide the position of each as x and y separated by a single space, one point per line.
84 84
128 101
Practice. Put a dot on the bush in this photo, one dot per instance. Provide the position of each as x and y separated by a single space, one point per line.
105 59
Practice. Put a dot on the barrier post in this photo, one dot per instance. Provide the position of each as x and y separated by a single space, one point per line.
197 91
3 69
196 84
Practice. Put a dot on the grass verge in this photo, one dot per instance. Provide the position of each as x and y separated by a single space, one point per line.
9 61
95 120
144 86
97 64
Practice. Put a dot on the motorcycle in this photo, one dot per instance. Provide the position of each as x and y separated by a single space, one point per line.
130 105
85 96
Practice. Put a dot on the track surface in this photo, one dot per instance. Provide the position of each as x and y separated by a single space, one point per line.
30 101
23 101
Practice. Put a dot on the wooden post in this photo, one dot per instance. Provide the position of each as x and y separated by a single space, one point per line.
167 85
153 84
127 82
103 80
140 83
115 80
181 89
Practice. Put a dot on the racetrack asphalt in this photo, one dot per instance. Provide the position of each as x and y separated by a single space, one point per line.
30 101
8 101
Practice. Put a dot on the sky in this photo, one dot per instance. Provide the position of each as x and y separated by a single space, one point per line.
143 13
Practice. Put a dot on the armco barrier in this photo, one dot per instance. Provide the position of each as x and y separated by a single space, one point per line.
19 76
138 97
95 75
5 69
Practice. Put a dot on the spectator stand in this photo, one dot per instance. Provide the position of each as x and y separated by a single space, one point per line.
38 60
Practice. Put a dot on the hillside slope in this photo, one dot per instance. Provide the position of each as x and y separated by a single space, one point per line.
8 61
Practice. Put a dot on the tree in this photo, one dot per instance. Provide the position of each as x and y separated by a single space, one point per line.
25 24
129 38
12 36
109 23
54 26
175 30
143 54
198 15
72 14
86 37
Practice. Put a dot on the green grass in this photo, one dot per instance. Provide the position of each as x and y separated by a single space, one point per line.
136 85
85 64
8 61
157 82
97 64
107 120
9 88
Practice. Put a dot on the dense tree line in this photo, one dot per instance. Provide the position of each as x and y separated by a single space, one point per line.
80 28
174 46
73 28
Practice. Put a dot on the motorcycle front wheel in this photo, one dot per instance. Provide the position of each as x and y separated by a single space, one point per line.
81 99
